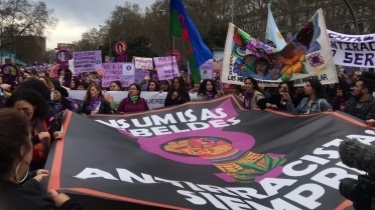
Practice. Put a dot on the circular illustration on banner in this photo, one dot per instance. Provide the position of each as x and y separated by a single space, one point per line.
63 56
233 157
177 54
120 47
10 73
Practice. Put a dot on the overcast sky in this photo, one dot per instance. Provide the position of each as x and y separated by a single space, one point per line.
78 16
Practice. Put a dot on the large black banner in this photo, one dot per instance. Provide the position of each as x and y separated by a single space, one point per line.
208 155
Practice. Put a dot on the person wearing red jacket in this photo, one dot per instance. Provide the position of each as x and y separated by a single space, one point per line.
134 102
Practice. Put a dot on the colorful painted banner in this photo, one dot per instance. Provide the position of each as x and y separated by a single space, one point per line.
87 61
307 55
353 50
166 67
143 63
117 71
177 54
207 155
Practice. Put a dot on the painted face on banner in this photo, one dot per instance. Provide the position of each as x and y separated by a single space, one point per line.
198 146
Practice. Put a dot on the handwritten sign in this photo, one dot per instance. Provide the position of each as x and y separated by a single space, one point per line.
87 61
123 72
166 67
353 50
143 63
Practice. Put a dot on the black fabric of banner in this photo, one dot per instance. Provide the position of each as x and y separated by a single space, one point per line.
235 149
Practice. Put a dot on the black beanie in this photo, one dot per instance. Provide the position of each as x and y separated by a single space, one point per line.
62 91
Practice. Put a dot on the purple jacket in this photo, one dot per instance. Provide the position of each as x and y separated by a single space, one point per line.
126 105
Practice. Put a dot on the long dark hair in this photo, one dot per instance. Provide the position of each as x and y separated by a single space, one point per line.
118 83
291 89
202 87
255 83
320 91
14 133
32 97
157 86
181 82
38 86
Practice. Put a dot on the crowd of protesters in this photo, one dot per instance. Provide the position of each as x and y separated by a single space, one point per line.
353 94
40 101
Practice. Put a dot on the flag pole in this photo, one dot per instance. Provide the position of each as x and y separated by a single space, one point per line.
232 10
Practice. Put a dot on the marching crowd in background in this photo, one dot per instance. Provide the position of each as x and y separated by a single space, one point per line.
39 115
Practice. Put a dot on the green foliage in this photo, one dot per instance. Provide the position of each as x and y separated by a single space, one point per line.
23 18
139 46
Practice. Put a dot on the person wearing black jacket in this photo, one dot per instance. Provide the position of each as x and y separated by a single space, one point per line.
178 94
15 156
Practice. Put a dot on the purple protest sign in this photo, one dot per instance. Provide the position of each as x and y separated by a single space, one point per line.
62 57
207 69
123 72
120 49
140 75
87 61
166 67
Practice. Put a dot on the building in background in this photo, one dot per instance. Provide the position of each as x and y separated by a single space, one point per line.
29 49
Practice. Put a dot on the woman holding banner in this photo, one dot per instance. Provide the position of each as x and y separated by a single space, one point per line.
94 102
178 94
315 101
253 97
207 90
16 153
134 102
153 85
43 127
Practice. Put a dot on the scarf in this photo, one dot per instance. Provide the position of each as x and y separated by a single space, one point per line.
57 106
94 102
247 99
134 99
209 95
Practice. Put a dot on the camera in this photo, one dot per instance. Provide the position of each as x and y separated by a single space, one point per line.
361 192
